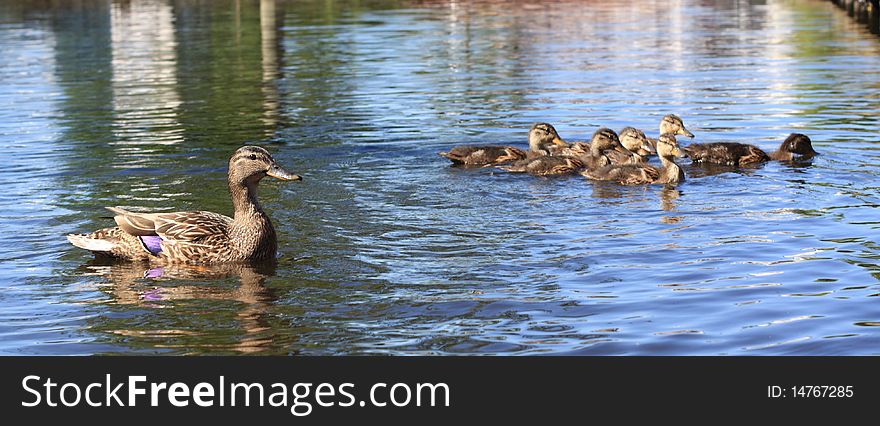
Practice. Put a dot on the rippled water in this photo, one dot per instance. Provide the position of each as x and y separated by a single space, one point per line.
385 248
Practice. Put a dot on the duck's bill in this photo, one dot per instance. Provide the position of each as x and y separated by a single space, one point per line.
558 141
685 132
679 153
278 173
647 149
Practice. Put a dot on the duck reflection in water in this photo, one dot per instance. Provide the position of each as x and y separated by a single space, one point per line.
139 283
668 197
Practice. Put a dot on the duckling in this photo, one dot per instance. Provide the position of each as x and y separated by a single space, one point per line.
795 145
672 124
603 147
635 141
542 137
574 158
639 174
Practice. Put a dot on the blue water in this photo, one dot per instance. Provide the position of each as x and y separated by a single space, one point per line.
385 249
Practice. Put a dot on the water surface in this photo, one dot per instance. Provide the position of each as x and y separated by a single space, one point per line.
385 249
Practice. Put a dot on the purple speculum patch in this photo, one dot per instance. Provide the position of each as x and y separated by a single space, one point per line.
152 243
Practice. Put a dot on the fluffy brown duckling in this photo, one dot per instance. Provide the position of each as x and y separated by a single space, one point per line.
575 158
542 136
635 141
795 145
639 174
673 125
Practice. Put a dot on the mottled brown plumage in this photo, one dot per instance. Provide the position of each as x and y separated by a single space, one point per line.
483 155
638 145
198 236
639 174
574 158
726 153
548 165
542 138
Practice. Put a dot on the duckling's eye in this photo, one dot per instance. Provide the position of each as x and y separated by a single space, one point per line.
253 156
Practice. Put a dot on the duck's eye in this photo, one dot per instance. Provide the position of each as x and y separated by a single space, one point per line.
253 156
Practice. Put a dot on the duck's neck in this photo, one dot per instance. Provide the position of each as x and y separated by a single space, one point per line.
672 173
251 231
244 200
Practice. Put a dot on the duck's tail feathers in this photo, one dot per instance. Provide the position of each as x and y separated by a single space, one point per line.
91 244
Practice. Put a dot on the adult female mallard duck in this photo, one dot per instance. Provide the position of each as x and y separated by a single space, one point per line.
198 236
574 158
795 145
639 174
542 139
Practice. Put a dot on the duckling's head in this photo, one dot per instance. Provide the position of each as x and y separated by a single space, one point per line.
799 144
635 140
606 139
250 164
542 136
672 124
667 147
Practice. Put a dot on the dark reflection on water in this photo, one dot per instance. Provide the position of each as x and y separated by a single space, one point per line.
387 249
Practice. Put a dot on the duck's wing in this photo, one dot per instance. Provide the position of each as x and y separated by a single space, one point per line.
730 153
177 226
556 167
548 165
630 174
619 158
483 155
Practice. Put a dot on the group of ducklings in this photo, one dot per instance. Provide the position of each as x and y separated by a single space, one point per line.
622 157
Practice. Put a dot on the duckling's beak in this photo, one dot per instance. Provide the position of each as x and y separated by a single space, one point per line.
278 173
558 141
684 132
647 149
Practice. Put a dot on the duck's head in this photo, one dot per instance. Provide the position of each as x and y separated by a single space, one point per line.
542 136
635 140
667 147
606 139
799 144
672 124
250 164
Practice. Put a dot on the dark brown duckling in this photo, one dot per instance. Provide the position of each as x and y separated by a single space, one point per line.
640 174
542 136
573 159
795 145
